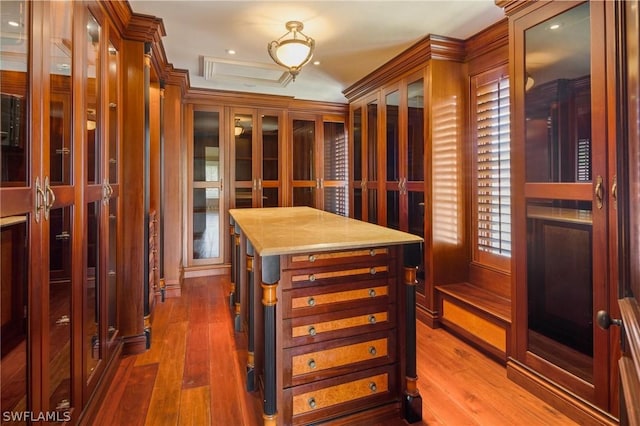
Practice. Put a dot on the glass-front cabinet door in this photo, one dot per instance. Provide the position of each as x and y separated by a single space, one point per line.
320 162
560 201
364 158
256 172
19 224
206 201
304 167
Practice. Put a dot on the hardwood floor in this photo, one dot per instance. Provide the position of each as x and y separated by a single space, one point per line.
194 374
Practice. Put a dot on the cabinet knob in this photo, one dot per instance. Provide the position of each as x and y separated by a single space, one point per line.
372 271
372 252
373 386
372 319
312 402
605 321
372 350
312 331
311 301
312 258
312 363
372 292
312 277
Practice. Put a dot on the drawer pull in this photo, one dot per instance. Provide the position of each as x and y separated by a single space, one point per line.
312 402
312 363
372 292
311 301
372 319
312 331
312 258
372 271
372 252
372 350
312 277
373 386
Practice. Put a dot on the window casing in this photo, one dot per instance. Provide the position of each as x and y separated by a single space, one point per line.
490 118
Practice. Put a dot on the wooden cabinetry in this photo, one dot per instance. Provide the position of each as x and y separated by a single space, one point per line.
407 164
319 165
257 155
60 294
564 206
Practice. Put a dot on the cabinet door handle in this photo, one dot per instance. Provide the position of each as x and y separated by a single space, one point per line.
259 184
50 198
599 192
614 189
255 184
40 199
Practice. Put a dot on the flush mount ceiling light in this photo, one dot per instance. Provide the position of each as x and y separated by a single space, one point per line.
293 50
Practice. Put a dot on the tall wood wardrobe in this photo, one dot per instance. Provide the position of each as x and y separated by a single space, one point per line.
80 137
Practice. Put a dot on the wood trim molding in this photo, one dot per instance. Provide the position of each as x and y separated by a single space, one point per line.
491 38
430 47
512 6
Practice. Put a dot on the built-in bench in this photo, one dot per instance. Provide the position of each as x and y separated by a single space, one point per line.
477 315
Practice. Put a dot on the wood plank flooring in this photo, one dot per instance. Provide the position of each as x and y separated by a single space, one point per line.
194 374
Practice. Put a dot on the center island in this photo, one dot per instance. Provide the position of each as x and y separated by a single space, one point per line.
328 307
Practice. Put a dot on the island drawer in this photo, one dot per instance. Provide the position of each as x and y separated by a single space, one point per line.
328 298
306 330
309 363
340 273
338 396
319 259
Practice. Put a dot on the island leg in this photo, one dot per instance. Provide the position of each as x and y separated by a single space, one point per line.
251 378
270 278
412 401
234 262
237 295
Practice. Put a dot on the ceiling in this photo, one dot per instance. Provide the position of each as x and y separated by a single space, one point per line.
353 38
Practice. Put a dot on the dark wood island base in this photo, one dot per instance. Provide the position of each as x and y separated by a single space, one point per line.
328 305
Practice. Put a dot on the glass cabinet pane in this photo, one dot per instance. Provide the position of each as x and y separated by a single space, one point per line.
304 149
270 197
304 197
392 103
243 131
415 131
558 99
114 101
13 304
206 146
244 198
93 101
393 209
60 119
92 352
336 152
14 85
559 269
112 270
336 200
206 223
270 148
357 144
60 324
372 206
372 142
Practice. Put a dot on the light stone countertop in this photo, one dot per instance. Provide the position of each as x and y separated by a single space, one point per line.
290 230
